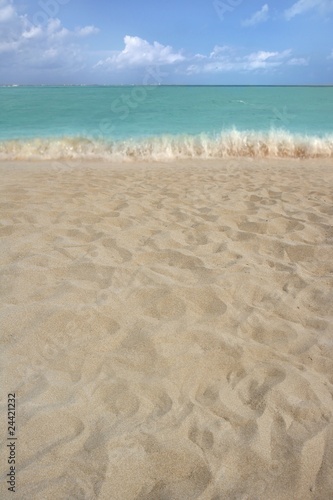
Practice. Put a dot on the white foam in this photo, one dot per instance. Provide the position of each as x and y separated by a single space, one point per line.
234 143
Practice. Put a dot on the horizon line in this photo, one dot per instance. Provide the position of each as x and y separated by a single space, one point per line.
162 85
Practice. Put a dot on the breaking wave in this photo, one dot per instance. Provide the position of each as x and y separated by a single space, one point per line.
234 143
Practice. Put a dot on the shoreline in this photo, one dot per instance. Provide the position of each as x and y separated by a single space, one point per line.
176 162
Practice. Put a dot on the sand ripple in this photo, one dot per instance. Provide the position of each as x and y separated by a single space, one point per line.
168 329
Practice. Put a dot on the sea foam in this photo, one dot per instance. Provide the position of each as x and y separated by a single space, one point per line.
233 143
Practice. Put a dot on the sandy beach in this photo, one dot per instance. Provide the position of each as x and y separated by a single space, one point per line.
167 329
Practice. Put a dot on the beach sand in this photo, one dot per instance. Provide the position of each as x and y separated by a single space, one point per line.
167 329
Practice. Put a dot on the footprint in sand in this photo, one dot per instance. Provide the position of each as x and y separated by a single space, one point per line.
256 385
203 438
157 302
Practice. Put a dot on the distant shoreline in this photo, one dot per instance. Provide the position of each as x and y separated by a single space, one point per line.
13 85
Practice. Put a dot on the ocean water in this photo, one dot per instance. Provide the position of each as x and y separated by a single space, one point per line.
165 122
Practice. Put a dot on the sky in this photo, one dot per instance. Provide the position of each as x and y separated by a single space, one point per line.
218 42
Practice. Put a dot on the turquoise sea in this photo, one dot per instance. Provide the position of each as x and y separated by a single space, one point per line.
165 122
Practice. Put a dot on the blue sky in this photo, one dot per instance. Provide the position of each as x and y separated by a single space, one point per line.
173 42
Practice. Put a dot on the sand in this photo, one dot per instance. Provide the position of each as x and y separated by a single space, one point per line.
167 329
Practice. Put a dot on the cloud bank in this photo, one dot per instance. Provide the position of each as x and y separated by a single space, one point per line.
25 44
42 49
229 60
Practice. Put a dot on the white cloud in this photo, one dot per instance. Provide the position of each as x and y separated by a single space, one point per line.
258 17
218 50
331 55
261 59
55 31
302 6
298 61
139 52
87 31
6 47
33 32
7 11
229 62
